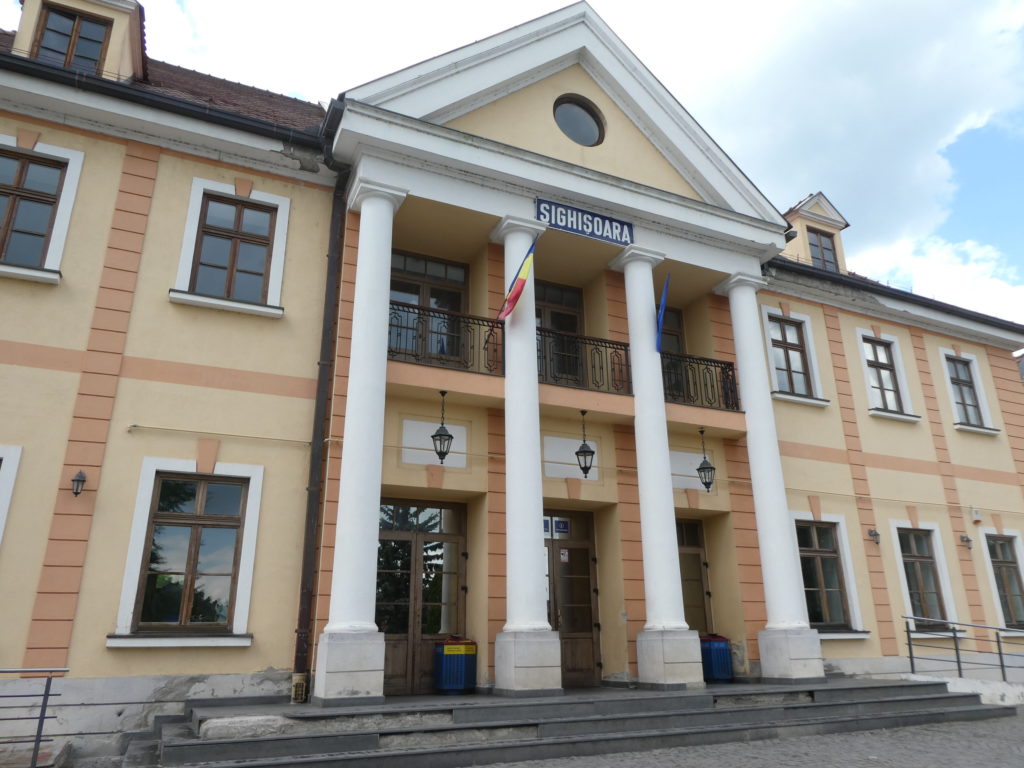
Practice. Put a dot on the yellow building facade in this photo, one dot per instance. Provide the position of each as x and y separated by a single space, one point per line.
231 324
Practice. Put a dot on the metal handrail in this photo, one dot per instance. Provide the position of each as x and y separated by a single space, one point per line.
584 362
446 339
40 718
700 381
956 634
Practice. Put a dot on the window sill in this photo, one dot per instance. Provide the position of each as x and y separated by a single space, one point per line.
817 402
895 416
851 634
178 641
227 305
32 274
1011 632
975 429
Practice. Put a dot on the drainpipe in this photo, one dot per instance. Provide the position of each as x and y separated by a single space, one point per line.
325 375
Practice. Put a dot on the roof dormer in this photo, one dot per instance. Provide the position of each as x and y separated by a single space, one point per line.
98 37
817 225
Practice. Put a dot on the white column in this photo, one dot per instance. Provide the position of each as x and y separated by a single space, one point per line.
350 658
527 652
789 648
668 652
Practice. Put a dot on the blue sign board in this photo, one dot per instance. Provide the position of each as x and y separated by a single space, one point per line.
586 223
561 526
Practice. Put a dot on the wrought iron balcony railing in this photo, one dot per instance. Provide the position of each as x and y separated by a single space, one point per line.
583 362
699 381
446 339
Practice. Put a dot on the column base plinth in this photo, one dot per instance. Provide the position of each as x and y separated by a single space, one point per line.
527 663
349 669
790 654
669 659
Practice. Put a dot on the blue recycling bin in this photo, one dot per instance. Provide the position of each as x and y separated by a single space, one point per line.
716 658
455 666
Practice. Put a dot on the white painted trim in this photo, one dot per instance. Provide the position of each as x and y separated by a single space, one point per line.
137 544
10 457
191 641
227 305
1018 548
30 274
901 376
979 389
940 565
815 402
812 358
275 278
843 635
846 558
65 203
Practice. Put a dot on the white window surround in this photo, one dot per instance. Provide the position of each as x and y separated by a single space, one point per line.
180 294
940 566
901 376
50 271
10 457
849 577
1018 548
815 398
979 388
137 545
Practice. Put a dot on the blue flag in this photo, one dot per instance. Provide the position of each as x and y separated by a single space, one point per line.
661 312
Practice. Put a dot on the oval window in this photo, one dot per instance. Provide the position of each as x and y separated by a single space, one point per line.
579 120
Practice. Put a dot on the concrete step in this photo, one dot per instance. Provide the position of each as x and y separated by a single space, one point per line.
455 756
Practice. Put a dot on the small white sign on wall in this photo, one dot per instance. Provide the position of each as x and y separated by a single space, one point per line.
684 469
417 447
560 457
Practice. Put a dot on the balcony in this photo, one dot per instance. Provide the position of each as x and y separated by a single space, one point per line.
466 343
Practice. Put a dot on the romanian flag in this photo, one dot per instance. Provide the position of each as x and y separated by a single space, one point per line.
515 290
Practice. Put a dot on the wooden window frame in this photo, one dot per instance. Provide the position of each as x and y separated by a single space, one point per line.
801 348
69 55
1007 577
194 521
916 585
236 236
821 245
960 385
876 368
16 192
817 553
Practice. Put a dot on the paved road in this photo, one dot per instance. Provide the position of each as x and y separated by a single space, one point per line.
985 744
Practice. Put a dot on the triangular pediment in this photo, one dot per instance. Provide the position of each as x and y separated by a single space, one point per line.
482 88
819 209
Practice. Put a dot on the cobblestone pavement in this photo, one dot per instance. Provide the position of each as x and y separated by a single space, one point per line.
986 744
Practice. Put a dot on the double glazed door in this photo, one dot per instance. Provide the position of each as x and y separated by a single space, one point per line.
572 597
420 577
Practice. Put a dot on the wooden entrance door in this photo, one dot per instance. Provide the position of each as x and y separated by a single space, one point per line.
693 567
572 598
420 599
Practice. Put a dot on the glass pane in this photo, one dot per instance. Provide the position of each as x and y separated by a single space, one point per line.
394 556
255 222
800 384
808 566
210 601
407 293
60 22
929 583
217 550
435 269
933 606
814 611
875 398
8 169
24 250
211 281
796 361
88 49
247 287
888 381
450 301
178 496
905 542
90 30
392 618
220 214
4 199
576 618
169 550
33 217
162 599
775 331
223 499
42 178
457 274
215 251
693 592
578 563
804 539
577 123
826 537
792 334
836 615
830 572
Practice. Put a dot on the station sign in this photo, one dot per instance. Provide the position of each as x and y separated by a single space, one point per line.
566 218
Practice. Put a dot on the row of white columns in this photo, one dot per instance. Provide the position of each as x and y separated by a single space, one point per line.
350 659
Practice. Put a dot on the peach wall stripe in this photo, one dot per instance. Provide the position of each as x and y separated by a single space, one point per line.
629 535
496 565
190 374
57 591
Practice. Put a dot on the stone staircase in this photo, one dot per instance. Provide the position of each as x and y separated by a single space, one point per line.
449 731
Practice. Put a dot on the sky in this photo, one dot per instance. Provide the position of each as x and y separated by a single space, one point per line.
907 114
